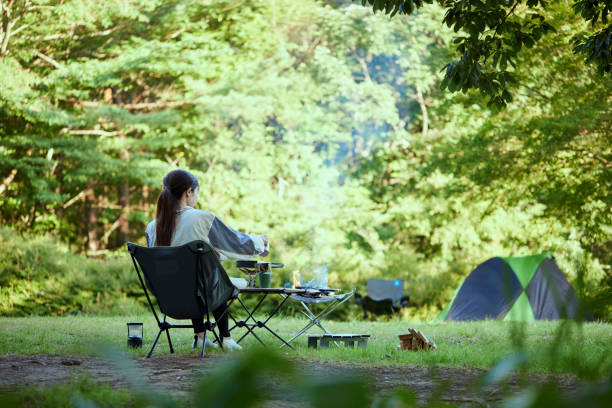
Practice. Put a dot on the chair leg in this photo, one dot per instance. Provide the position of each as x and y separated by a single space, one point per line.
154 343
218 339
169 341
203 344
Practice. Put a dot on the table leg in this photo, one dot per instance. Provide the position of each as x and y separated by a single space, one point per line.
308 326
246 324
257 323
270 316
316 320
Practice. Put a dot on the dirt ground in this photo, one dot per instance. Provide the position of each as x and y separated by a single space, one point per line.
175 373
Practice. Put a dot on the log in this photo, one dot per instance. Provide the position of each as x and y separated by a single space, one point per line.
415 340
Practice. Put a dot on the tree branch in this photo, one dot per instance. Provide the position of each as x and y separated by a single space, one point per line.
71 35
40 8
76 198
177 33
22 27
134 106
421 101
110 230
170 161
49 60
537 93
8 180
364 69
607 163
156 105
5 39
90 132
9 26
498 27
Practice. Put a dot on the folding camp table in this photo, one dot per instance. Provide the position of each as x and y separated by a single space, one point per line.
314 297
251 323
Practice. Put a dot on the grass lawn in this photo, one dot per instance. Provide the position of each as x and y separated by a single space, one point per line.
553 347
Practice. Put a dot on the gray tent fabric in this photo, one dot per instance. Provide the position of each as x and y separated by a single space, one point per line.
487 293
550 294
379 289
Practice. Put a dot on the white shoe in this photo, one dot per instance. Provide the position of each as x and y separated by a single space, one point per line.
197 339
230 344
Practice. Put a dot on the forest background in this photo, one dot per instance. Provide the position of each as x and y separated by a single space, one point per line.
318 123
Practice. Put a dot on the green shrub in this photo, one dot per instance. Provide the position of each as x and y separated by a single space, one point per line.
41 276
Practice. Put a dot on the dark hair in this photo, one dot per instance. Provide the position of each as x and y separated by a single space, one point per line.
175 184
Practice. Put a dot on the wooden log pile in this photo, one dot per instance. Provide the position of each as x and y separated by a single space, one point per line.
415 340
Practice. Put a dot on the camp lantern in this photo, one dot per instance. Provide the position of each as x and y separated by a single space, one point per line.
134 335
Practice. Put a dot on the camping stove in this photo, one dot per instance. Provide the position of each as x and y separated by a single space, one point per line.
252 268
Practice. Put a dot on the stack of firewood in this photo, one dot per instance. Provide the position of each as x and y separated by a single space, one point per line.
416 340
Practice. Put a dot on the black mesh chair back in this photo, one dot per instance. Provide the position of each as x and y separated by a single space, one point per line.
188 282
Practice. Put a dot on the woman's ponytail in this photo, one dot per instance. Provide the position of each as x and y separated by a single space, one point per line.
175 184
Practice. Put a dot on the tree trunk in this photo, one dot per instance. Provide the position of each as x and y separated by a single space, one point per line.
423 106
124 222
8 180
124 201
145 198
93 241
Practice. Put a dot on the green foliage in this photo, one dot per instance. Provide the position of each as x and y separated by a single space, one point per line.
39 276
595 46
494 33
523 181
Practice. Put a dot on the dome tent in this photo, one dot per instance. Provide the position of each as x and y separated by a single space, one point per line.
514 288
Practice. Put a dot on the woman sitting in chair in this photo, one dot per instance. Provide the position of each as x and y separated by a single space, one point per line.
177 223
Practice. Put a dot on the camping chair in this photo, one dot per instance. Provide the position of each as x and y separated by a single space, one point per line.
332 300
383 297
188 282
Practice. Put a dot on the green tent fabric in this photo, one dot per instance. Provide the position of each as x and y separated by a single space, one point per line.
444 312
524 289
526 266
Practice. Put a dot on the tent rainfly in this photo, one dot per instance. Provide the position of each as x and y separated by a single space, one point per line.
514 288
